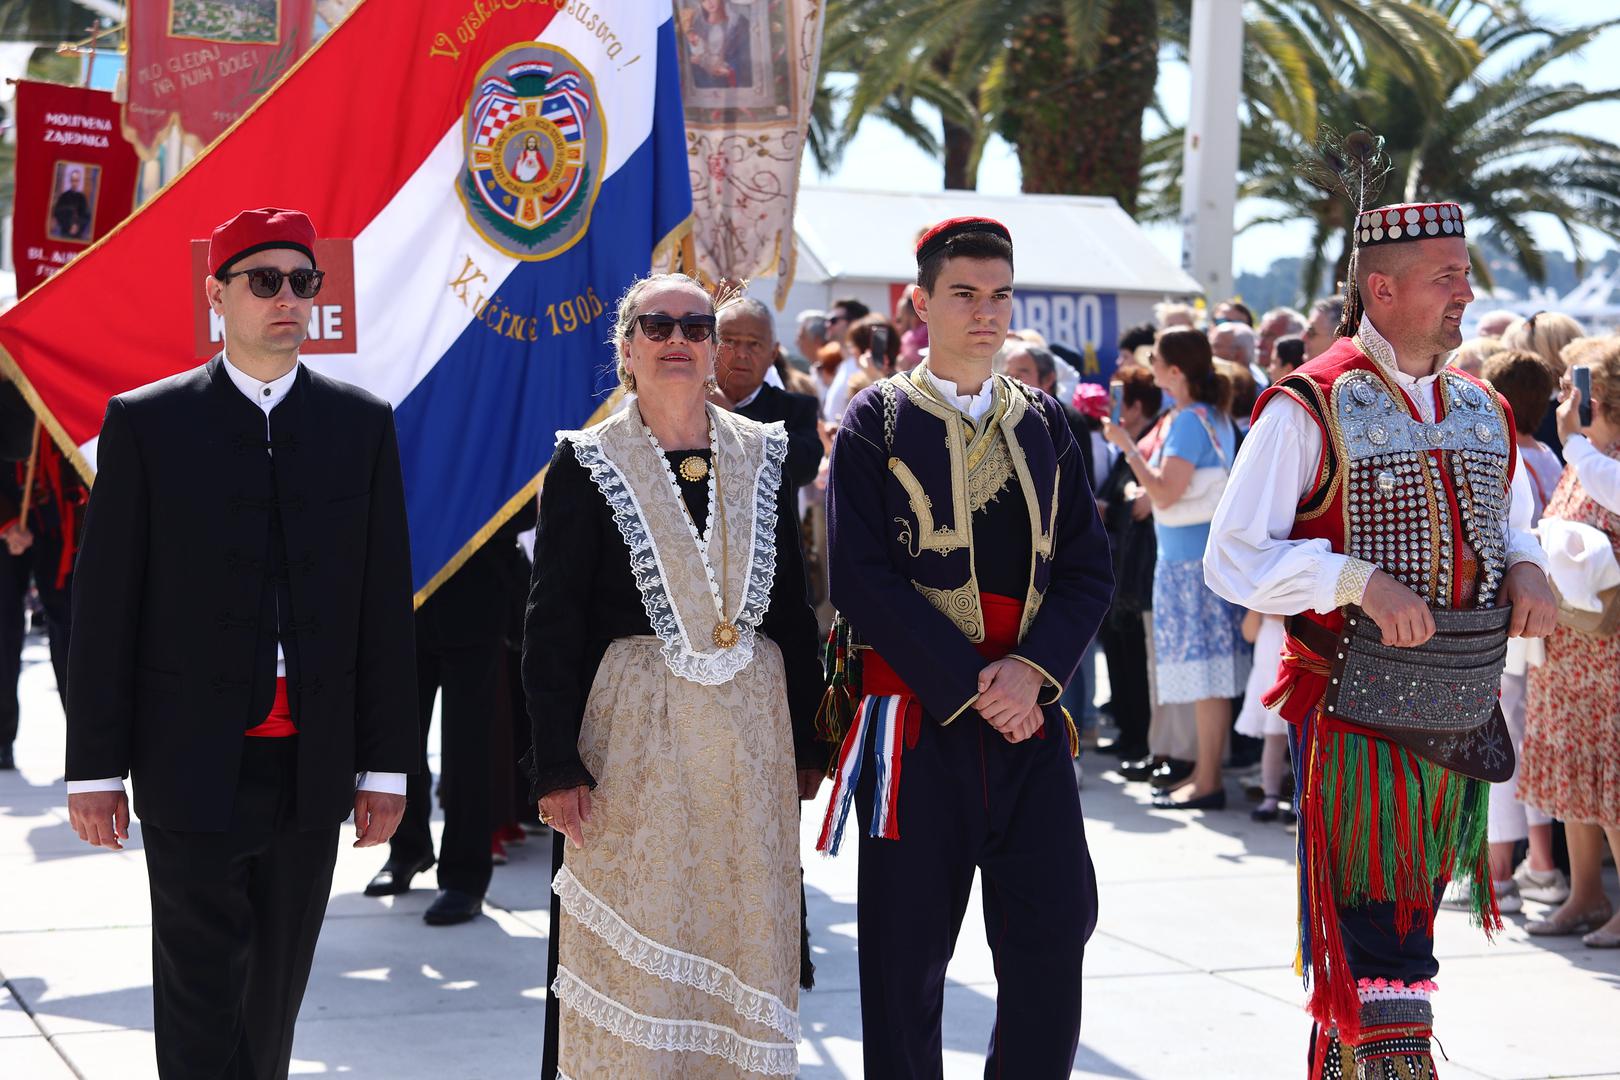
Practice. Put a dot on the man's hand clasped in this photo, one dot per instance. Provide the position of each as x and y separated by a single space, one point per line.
1407 622
1535 609
1009 698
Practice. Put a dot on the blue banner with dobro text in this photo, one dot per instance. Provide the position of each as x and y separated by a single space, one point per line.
1088 323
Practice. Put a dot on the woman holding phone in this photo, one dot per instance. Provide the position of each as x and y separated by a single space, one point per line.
1571 763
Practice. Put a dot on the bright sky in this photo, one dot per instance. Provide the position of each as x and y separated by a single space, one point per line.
880 158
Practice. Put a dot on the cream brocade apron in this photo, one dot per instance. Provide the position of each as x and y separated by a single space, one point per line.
678 941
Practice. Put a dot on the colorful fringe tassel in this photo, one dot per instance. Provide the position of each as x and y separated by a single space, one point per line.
1378 824
885 717
841 662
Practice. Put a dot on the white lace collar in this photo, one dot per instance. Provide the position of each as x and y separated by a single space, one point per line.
630 476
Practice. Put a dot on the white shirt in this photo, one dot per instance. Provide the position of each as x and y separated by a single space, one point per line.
974 405
1598 473
1250 559
838 395
266 395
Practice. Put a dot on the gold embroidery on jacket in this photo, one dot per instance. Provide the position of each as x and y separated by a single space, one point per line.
960 605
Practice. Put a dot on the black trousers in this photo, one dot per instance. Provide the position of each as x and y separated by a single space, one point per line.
235 917
15 572
968 799
467 675
1125 648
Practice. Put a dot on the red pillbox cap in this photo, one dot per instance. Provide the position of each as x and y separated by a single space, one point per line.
260 230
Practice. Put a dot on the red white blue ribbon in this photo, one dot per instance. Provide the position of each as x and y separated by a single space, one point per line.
885 718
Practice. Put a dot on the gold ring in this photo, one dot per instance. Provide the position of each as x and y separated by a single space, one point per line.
545 819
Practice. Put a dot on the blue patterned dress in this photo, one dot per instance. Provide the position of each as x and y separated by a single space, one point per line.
1198 645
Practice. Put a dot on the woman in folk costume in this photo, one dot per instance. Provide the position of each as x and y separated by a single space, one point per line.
1370 506
670 664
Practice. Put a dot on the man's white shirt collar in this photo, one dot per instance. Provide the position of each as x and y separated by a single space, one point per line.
1377 347
266 395
974 405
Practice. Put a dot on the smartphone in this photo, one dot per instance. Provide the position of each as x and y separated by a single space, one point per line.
880 346
1582 378
1116 401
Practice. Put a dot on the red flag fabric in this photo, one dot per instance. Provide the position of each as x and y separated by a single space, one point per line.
75 176
470 274
201 63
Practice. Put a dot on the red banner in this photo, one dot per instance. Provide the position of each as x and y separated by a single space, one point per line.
201 63
75 176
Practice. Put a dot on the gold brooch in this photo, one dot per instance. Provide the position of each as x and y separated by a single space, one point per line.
726 634
693 469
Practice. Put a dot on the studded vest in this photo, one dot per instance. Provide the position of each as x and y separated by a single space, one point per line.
1425 502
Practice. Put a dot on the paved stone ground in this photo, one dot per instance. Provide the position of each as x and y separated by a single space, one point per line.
1189 974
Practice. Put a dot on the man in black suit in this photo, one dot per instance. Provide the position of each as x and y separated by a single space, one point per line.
241 650
747 352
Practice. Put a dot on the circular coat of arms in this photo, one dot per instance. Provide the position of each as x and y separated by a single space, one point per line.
535 139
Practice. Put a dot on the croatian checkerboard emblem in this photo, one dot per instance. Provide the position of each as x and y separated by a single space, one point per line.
535 142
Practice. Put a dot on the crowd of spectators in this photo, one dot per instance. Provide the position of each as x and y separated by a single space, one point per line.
1186 671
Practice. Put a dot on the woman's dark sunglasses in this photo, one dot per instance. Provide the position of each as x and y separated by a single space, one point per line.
266 281
693 327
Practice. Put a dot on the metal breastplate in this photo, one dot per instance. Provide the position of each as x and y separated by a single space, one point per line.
1398 504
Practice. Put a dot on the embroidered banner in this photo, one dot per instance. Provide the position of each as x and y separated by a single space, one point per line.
493 214
200 64
748 76
75 176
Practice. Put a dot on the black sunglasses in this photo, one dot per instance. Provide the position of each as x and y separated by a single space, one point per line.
693 327
266 281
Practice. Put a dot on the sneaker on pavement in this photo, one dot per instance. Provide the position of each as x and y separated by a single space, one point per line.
1459 896
1542 886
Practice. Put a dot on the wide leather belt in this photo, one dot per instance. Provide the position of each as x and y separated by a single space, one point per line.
1438 699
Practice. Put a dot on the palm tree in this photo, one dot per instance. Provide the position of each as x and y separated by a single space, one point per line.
1068 82
1492 142
43 21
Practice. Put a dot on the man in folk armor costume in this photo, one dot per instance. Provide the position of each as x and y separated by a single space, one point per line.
1370 506
968 560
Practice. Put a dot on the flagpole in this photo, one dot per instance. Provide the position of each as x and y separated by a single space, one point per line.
28 481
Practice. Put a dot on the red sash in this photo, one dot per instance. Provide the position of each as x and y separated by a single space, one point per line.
279 724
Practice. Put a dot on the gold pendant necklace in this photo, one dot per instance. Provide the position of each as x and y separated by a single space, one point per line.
693 469
726 635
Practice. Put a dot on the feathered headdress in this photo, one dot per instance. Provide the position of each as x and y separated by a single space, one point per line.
1355 167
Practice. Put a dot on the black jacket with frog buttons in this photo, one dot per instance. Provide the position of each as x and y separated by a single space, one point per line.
200 552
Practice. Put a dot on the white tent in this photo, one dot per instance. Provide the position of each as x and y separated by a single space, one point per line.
1085 270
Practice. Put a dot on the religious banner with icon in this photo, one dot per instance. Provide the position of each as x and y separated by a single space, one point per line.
748 77
199 64
75 176
477 230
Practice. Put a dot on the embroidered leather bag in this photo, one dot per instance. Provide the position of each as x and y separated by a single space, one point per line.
1438 699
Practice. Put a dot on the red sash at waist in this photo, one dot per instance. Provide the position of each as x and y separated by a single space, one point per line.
279 724
1002 617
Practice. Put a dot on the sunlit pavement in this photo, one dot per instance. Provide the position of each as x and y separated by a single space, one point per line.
1189 974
